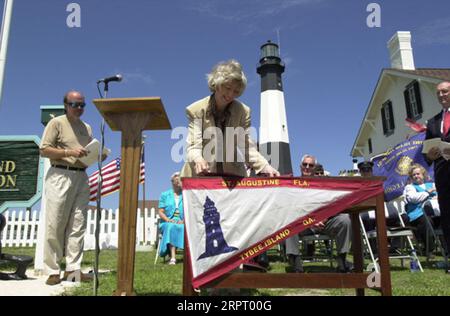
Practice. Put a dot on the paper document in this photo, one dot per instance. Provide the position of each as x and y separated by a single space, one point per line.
92 157
435 142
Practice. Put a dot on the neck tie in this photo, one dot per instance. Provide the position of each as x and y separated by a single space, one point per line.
446 122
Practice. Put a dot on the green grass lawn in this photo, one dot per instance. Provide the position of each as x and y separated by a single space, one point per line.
164 279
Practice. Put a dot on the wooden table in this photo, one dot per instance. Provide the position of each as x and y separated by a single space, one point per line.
357 280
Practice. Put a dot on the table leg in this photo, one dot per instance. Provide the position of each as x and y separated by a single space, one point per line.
383 256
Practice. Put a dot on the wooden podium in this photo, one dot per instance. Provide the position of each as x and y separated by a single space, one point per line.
130 116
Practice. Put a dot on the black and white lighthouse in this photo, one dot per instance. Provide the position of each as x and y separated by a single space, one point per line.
274 137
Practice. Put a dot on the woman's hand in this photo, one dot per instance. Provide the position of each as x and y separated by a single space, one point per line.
201 167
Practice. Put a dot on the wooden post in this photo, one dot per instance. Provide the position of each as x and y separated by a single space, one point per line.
129 183
188 290
358 258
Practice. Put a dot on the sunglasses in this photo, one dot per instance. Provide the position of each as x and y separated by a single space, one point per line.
75 105
308 165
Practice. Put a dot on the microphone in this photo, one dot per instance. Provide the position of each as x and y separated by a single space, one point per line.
117 78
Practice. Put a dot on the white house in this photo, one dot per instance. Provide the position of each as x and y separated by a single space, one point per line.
402 91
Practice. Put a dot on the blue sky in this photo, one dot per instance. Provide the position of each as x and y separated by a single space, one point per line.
165 48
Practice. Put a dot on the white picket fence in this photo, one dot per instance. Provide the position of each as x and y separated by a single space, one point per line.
22 227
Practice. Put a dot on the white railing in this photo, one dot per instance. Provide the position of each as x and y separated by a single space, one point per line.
22 226
21 229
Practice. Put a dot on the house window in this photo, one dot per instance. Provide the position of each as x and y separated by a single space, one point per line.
387 117
413 101
370 145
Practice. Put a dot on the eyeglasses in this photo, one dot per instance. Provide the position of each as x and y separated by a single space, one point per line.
308 165
75 105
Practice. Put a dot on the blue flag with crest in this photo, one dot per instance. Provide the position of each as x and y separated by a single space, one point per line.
395 163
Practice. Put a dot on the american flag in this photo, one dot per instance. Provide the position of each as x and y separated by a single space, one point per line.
111 178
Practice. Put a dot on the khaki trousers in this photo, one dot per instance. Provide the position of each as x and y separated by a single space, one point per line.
67 198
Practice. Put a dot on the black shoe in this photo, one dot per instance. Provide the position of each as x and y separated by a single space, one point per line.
263 260
295 264
447 271
252 265
347 269
293 270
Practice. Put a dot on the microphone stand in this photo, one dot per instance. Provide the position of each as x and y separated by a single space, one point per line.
99 193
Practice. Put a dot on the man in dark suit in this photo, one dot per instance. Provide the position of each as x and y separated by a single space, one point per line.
439 127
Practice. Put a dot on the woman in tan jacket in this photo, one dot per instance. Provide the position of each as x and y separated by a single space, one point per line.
219 140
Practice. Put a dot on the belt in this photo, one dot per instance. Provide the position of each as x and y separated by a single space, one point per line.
68 168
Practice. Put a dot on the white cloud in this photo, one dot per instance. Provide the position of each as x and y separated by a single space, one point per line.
138 76
288 60
244 10
434 32
276 7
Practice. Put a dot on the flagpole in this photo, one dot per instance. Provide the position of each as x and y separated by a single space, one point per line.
143 191
6 23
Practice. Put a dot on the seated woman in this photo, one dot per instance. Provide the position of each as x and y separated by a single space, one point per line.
172 219
419 191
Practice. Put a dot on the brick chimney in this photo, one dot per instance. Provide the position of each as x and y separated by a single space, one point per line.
400 50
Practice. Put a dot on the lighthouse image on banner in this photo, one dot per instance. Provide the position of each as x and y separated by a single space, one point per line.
274 137
215 241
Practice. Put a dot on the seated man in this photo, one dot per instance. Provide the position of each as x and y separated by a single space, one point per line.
318 171
338 227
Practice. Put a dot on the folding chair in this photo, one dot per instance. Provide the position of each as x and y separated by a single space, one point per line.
305 239
393 208
158 246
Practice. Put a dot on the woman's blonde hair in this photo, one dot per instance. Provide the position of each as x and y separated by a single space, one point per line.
226 72
426 177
